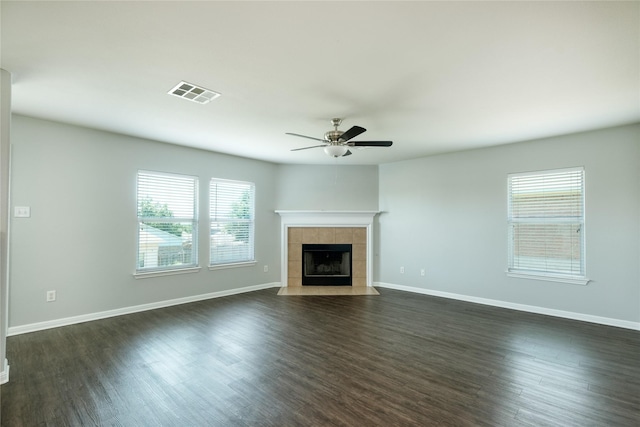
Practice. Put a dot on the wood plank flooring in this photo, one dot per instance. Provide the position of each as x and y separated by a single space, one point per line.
256 359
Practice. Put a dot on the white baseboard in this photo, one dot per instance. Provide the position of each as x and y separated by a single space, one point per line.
4 374
521 307
33 327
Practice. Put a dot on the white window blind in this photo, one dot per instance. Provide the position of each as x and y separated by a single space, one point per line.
546 223
167 221
231 212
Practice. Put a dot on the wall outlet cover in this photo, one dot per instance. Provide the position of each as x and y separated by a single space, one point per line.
22 212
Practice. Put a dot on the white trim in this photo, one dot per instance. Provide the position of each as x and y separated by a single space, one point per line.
550 278
520 307
547 171
233 265
158 273
4 374
312 218
33 327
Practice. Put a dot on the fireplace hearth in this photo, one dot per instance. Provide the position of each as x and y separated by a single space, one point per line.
326 265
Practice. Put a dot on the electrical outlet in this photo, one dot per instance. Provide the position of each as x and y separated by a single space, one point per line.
401 270
422 272
51 296
265 268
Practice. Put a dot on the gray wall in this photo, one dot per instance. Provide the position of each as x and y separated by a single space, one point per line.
81 237
447 214
336 187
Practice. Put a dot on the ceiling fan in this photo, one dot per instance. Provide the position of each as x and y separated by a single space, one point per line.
336 143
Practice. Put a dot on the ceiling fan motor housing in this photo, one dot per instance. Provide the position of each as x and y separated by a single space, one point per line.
333 135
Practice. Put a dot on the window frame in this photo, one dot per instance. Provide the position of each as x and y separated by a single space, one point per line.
214 218
193 265
548 274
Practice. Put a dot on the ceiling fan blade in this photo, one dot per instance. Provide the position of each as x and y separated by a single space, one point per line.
348 153
305 136
351 133
306 148
370 144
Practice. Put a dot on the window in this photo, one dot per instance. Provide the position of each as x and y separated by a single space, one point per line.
167 222
546 225
231 214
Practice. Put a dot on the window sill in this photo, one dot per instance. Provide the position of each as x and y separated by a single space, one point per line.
550 278
232 265
158 273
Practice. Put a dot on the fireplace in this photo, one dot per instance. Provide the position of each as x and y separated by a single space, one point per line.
353 228
326 265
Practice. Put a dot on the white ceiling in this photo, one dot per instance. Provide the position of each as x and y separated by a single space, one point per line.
433 77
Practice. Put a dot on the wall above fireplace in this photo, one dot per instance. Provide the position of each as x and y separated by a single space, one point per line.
355 227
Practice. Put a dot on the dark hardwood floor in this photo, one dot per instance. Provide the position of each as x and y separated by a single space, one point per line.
257 359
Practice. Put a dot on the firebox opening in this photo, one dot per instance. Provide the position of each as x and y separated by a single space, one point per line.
326 264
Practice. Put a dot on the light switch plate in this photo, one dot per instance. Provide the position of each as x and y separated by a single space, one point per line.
22 212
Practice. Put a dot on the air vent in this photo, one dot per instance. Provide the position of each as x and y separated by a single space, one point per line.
193 93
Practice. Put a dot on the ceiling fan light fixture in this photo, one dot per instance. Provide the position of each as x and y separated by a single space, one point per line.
336 150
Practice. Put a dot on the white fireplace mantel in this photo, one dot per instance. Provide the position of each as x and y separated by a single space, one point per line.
326 218
320 218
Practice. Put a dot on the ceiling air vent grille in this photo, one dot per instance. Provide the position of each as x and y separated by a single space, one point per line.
193 93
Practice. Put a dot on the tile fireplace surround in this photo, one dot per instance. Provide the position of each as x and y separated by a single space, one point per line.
354 227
